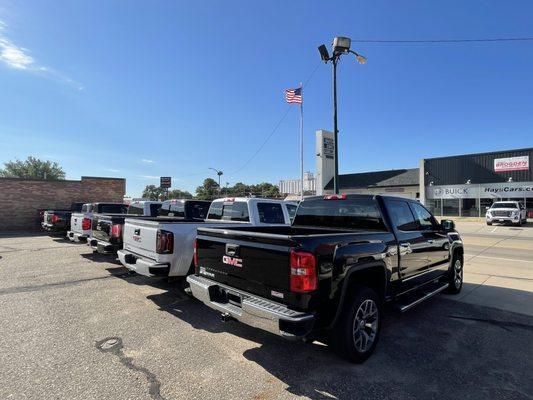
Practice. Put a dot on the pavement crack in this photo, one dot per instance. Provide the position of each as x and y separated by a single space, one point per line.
500 324
25 289
115 346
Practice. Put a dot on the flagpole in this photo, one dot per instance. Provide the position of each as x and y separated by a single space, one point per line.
302 143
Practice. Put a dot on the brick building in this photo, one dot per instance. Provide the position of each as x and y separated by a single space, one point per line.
21 199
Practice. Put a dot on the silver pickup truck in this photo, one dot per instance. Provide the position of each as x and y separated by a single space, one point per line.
81 222
164 246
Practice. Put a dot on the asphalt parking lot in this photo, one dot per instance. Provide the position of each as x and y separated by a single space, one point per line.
78 326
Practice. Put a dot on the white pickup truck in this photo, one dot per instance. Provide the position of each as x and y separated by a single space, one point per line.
81 222
513 212
164 246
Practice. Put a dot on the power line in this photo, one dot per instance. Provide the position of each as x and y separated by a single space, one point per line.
275 127
513 39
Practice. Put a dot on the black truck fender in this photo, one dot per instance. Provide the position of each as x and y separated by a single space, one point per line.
377 271
456 248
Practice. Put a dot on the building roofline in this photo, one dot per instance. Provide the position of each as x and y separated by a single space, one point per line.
481 154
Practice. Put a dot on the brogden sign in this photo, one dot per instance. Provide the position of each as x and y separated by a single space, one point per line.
511 164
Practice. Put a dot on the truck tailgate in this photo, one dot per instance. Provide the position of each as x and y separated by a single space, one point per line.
101 228
140 237
239 260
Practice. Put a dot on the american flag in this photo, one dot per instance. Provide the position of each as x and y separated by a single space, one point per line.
293 95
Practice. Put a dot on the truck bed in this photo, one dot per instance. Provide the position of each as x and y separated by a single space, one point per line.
257 259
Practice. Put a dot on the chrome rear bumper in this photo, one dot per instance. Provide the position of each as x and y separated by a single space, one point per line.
251 310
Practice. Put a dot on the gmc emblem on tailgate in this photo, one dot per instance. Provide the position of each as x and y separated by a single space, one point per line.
234 261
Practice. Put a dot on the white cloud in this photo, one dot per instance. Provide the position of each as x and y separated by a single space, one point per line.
146 161
17 57
148 176
113 170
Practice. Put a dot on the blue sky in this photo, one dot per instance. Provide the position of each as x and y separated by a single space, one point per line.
142 89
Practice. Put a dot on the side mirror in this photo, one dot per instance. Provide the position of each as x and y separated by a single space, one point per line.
448 225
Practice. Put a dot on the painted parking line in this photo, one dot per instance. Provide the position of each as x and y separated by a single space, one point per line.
494 230
472 256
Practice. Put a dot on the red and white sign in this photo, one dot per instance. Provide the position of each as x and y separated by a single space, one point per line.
511 164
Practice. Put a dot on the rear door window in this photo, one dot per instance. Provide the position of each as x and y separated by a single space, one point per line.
401 216
270 213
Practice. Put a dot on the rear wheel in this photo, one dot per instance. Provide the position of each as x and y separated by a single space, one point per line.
455 276
357 332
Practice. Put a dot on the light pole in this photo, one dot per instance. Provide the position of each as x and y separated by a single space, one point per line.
219 173
341 45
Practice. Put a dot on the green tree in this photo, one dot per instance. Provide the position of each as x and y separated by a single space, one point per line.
33 168
208 190
179 194
152 192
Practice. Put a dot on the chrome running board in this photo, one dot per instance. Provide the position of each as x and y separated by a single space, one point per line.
426 296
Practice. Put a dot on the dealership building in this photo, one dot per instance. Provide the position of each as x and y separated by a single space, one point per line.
462 185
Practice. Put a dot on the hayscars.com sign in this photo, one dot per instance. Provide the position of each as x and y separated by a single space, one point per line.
511 164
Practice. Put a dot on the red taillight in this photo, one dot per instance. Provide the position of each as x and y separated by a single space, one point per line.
55 218
116 230
164 242
303 272
335 197
195 253
86 224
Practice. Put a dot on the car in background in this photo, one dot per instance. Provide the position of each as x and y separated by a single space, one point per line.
107 225
513 212
81 223
58 221
164 246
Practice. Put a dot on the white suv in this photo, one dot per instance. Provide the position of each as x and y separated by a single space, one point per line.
507 211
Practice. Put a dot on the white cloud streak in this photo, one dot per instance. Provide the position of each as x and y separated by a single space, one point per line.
148 176
113 170
18 58
146 161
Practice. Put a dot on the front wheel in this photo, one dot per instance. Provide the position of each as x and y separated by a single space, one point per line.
357 332
489 223
455 277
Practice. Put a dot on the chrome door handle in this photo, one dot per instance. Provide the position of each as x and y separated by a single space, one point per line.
430 241
405 244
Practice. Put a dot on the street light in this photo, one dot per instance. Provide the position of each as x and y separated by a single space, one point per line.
219 173
341 45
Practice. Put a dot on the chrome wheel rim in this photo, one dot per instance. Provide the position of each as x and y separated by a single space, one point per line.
365 325
458 273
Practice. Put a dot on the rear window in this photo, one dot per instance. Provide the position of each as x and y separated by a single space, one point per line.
76 207
112 208
229 211
154 209
136 209
172 209
196 209
352 213
270 213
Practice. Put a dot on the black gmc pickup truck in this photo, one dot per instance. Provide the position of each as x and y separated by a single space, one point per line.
329 274
59 220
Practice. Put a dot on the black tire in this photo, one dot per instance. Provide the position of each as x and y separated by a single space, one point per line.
519 223
363 308
489 223
455 275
